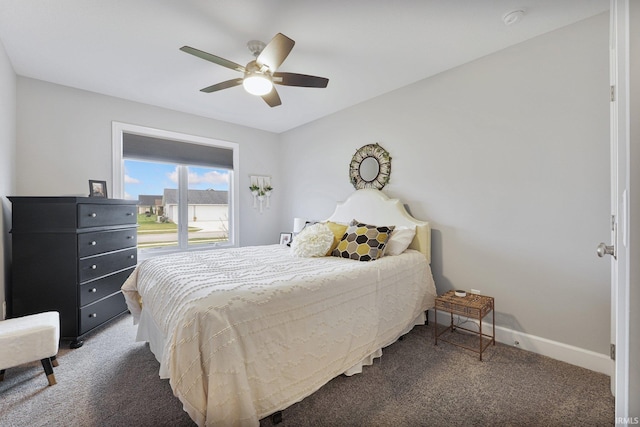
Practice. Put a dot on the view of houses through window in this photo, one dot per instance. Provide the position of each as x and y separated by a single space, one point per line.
157 187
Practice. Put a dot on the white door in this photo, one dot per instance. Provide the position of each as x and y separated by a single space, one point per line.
618 249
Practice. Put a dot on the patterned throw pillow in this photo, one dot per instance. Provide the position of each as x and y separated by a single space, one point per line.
363 242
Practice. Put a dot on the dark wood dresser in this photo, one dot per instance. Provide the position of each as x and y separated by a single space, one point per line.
72 255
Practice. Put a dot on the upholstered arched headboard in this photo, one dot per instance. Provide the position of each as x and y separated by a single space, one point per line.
374 207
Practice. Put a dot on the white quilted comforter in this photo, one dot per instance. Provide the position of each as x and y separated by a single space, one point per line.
249 331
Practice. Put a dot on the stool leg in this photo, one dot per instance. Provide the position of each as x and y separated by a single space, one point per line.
48 369
54 361
1 374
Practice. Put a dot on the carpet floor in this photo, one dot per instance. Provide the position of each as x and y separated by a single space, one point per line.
113 381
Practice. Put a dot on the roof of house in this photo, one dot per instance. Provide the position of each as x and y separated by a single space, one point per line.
197 197
150 200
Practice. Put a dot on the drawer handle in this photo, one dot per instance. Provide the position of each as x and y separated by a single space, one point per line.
93 243
93 290
129 237
129 213
93 267
132 256
93 215
93 315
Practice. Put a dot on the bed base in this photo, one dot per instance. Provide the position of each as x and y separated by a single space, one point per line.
276 417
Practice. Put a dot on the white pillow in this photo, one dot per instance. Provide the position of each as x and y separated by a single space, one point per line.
399 240
313 241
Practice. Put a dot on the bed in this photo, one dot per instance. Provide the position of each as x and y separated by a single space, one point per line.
243 333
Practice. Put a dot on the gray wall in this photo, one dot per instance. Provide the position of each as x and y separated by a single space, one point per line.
508 158
7 161
64 139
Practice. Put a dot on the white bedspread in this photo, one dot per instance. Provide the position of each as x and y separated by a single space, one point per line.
250 331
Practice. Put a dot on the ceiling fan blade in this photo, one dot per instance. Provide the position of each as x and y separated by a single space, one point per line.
272 98
304 80
212 58
275 52
222 85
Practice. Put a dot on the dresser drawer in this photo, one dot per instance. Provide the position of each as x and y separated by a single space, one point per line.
93 215
105 286
105 241
100 311
101 265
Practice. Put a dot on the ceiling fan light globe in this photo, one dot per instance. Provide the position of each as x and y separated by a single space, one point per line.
257 84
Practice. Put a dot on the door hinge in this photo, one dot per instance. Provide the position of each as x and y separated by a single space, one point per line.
613 93
613 223
612 352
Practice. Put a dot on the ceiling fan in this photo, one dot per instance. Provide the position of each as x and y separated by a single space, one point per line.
260 74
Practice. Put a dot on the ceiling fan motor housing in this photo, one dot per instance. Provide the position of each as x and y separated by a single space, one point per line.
257 80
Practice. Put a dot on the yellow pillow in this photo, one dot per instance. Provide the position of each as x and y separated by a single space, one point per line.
338 231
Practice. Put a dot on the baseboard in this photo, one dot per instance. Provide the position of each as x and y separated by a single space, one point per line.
556 350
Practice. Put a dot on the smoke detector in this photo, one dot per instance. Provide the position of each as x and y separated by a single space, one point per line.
512 17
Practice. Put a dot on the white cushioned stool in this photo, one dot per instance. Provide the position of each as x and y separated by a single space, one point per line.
29 338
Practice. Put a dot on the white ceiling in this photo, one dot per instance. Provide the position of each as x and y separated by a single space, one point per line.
129 49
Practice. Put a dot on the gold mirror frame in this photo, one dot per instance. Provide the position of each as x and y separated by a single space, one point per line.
381 156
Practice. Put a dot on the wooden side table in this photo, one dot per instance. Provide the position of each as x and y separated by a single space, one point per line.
472 306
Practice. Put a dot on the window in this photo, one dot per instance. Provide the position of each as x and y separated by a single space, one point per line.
184 185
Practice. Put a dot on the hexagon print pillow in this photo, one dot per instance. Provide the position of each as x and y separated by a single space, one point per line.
363 242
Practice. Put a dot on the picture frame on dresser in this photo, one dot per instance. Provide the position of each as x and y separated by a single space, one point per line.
97 188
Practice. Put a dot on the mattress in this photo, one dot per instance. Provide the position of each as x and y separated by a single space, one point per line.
242 333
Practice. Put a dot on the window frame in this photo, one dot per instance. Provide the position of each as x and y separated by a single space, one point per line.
118 129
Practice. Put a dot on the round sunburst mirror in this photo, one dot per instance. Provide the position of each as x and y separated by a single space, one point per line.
370 167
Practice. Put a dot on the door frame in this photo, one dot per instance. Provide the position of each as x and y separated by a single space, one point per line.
620 186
